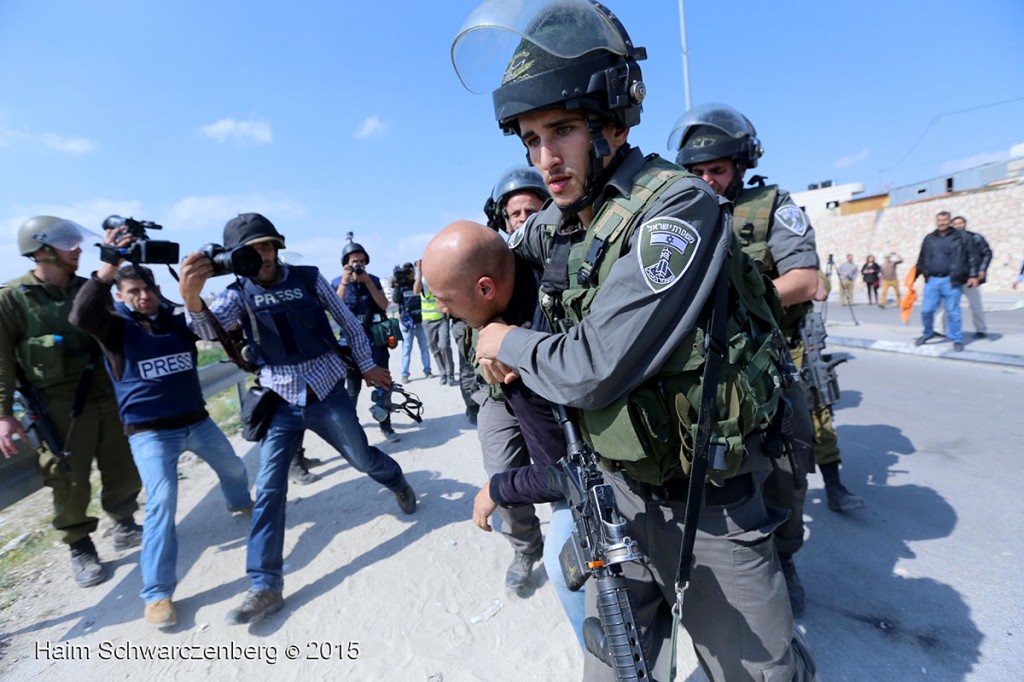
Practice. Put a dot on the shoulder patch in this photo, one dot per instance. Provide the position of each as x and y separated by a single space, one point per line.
516 238
791 217
665 250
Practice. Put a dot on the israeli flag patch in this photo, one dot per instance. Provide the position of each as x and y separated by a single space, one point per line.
791 217
666 248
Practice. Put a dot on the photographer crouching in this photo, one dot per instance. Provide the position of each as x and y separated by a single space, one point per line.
150 354
361 292
282 310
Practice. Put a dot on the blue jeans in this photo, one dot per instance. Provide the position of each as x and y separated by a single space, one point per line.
418 333
559 529
156 456
334 420
941 290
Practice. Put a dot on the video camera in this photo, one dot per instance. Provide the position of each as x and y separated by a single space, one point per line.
405 274
244 261
142 249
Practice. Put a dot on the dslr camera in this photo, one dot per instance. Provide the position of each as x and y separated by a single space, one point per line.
358 269
244 261
142 249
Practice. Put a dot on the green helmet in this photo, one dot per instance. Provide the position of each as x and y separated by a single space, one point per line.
552 53
47 230
715 131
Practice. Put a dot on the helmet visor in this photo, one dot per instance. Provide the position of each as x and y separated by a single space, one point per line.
64 234
487 42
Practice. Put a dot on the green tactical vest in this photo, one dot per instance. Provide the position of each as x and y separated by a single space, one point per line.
751 220
650 431
53 351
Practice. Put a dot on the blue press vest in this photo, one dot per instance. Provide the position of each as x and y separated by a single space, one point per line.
291 321
160 379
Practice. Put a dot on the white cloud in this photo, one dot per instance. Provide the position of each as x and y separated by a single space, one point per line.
228 129
211 212
971 161
369 127
847 161
69 145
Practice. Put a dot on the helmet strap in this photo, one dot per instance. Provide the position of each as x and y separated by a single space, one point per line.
598 175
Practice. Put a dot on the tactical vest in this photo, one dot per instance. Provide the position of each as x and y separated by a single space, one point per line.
53 351
428 308
291 324
410 303
160 380
649 432
751 220
359 300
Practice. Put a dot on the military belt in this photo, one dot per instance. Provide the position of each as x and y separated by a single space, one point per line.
674 490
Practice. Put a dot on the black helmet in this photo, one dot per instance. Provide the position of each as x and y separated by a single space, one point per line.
570 53
512 181
250 228
353 247
715 131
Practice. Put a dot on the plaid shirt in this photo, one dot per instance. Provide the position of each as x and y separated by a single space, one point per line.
321 374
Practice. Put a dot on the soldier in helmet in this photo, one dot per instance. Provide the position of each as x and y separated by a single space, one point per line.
282 311
638 265
364 296
719 144
59 359
518 194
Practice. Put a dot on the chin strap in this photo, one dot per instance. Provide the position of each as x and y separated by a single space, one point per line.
599 174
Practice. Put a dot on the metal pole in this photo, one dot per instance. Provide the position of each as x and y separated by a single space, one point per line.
686 55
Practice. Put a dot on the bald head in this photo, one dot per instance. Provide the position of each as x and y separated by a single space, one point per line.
471 271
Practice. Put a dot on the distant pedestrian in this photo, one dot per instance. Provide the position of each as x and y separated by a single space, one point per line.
984 255
947 261
871 273
847 277
890 280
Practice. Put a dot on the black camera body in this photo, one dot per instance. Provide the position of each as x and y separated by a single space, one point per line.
405 274
142 249
244 261
358 269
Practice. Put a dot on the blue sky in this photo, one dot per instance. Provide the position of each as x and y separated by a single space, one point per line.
337 116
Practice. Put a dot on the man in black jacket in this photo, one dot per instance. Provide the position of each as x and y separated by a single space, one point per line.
947 261
973 294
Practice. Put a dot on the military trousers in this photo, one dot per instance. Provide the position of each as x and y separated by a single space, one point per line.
503 449
736 609
97 436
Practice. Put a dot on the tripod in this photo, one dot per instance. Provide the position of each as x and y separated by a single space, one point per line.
829 268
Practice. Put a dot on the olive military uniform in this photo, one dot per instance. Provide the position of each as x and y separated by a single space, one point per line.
35 334
638 322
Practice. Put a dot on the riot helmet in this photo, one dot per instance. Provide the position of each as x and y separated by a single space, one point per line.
512 181
250 228
46 230
715 131
547 54
353 247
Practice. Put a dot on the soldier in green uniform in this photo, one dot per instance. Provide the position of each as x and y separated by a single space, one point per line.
633 249
719 144
36 336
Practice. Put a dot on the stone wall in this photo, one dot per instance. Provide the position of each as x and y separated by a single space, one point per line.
995 212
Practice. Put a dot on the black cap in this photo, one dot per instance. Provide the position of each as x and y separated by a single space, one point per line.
247 228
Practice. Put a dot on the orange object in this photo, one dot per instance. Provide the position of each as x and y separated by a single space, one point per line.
907 304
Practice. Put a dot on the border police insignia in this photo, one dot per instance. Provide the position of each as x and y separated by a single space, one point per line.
792 218
666 249
516 238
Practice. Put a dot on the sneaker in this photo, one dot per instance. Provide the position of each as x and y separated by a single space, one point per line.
405 378
518 575
428 375
924 338
957 346
85 563
299 474
471 414
452 381
243 511
444 381
391 435
406 499
126 534
797 595
257 605
980 335
160 614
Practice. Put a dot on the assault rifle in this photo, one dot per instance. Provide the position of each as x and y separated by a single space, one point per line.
596 548
37 420
819 369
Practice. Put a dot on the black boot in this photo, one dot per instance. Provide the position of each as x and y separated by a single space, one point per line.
85 563
297 471
839 498
797 596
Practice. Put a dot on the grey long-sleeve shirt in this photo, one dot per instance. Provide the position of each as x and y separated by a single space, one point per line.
632 329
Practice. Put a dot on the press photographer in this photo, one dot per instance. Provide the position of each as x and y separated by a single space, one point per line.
404 294
57 362
150 354
363 295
